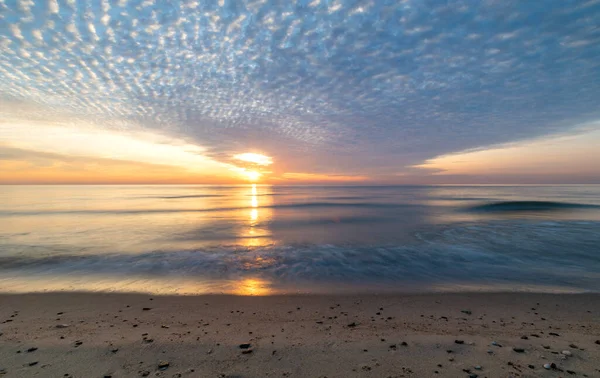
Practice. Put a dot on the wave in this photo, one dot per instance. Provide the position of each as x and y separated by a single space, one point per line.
548 253
518 206
216 209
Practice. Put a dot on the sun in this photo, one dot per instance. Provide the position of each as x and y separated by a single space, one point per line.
252 175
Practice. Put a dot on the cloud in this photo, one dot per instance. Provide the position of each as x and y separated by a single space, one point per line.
361 87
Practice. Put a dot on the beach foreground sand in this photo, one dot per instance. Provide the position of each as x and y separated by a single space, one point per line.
429 335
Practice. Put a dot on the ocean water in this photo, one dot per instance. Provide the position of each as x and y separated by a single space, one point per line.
262 240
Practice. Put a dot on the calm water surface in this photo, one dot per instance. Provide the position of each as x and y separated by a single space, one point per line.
259 240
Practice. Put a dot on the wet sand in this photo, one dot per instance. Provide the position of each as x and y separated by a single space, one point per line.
428 335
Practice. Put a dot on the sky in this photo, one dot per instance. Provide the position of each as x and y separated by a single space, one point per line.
300 91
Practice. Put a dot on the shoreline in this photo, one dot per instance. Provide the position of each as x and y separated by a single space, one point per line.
75 334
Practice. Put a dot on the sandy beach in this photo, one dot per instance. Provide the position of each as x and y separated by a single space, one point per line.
428 335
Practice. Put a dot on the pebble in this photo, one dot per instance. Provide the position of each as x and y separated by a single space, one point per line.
146 308
468 312
496 344
598 342
519 350
547 366
163 365
3 371
245 346
477 367
62 326
33 349
566 353
459 342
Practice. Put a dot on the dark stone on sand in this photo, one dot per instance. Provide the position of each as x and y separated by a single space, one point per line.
473 376
524 338
404 343
393 346
553 334
247 351
146 308
78 343
115 350
546 346
144 373
32 349
571 372
163 365
62 326
573 346
468 312
33 363
245 346
3 371
531 366
351 325
519 350
459 342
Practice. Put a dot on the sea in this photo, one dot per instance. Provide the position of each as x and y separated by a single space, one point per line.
269 240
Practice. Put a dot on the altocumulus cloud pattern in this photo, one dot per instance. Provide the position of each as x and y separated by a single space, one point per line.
382 83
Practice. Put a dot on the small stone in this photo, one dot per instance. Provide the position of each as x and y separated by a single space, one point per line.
459 342
32 349
451 359
60 326
33 363
553 334
567 353
598 342
351 325
404 343
3 371
468 312
146 308
573 346
144 373
473 375
524 338
114 350
547 366
164 326
247 351
496 344
519 350
78 343
571 372
531 366
490 351
546 346
163 365
245 346
477 367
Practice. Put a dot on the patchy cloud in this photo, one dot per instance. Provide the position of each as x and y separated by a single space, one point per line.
352 87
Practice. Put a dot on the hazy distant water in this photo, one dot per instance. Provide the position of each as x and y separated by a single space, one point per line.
267 239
